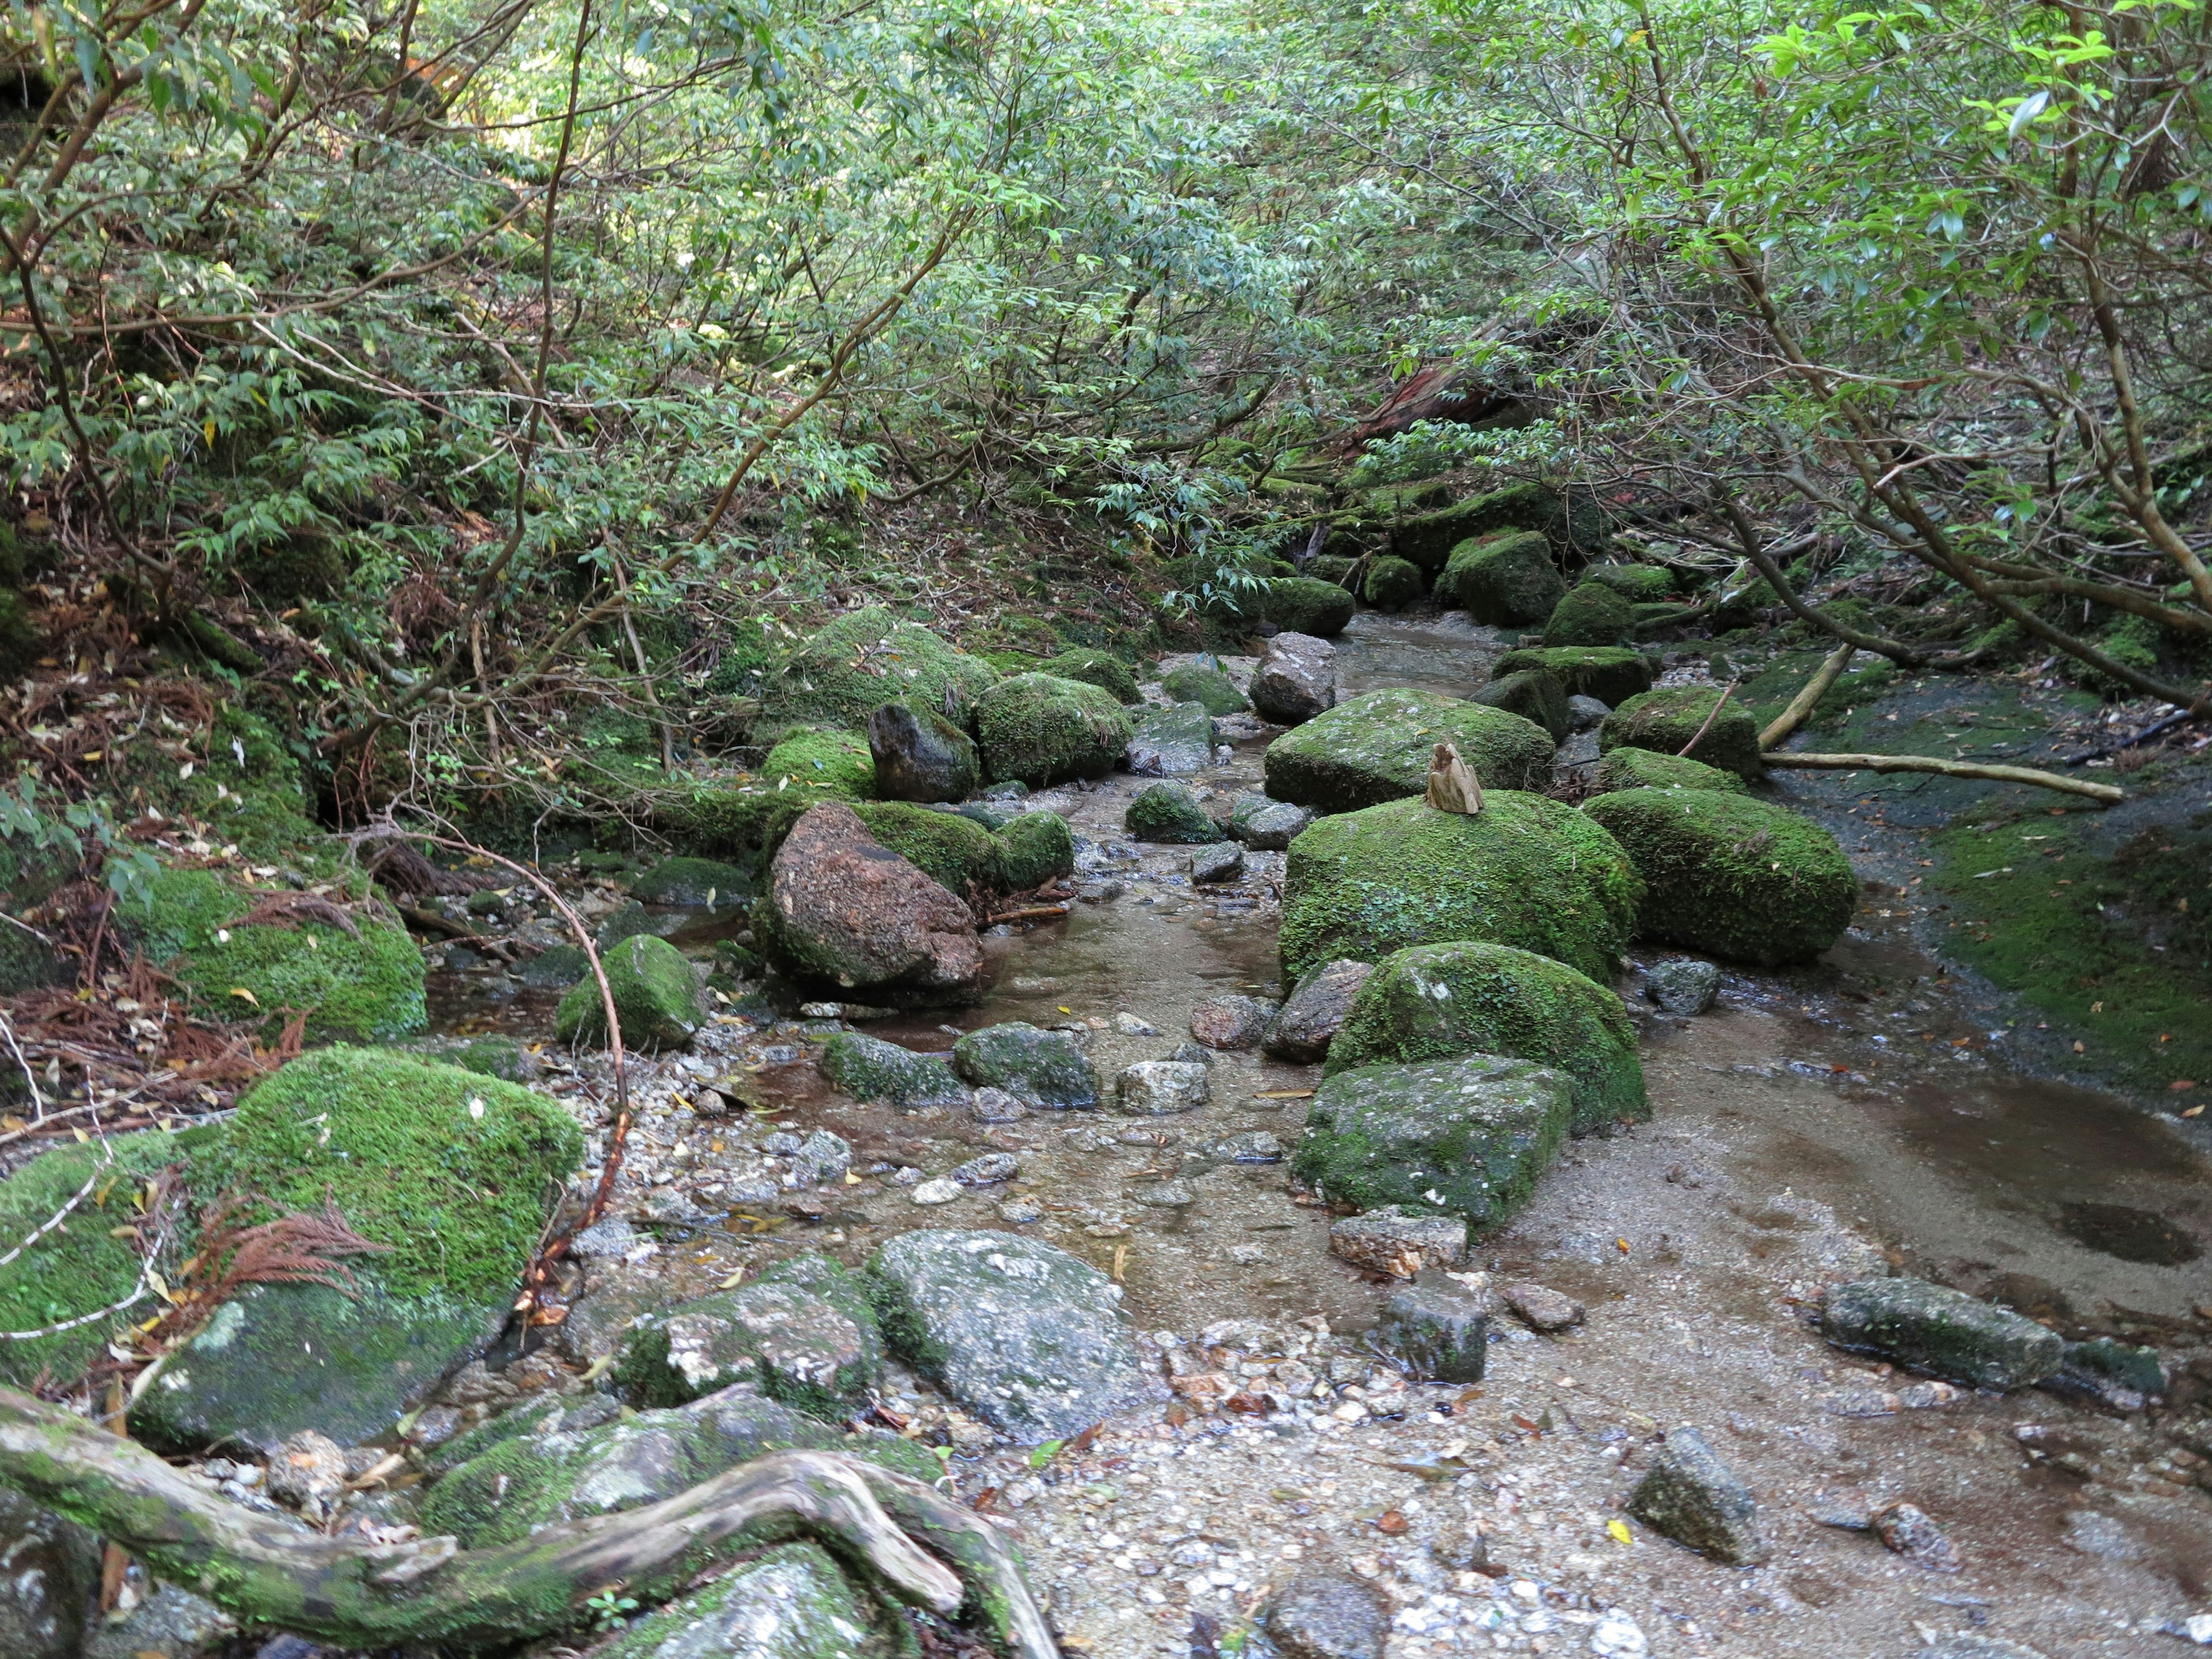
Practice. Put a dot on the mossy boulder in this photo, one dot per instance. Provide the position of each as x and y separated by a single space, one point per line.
1611 673
699 883
1932 1328
1728 876
920 755
1336 567
1172 813
869 1068
1428 539
1034 848
862 661
793 1602
1505 579
1526 870
1210 686
1437 1000
360 982
803 1333
1532 694
1302 605
1046 1070
958 853
1592 614
1664 721
656 997
1640 768
830 764
1037 729
1392 584
1378 746
1099 668
22 638
1465 1137
1640 584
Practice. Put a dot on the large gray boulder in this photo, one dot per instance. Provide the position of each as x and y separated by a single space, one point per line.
1297 681
1024 1336
1946 1333
1178 739
804 1332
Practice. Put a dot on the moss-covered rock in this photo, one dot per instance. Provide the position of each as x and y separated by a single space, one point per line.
1039 730
1664 721
1535 696
1169 812
1640 768
656 997
744 820
1427 538
868 1068
698 883
793 1602
1099 668
1437 1000
836 764
920 755
1933 1328
1209 686
1466 1137
21 639
361 982
1334 568
1302 605
958 853
1044 1070
1728 876
803 1333
1505 579
1378 747
865 659
1392 584
1526 870
1592 614
1611 673
1034 848
1640 584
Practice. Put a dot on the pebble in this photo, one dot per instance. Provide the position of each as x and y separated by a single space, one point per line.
1217 863
1910 1532
1130 1025
940 1190
1164 1195
1543 1308
1231 1021
988 1170
1021 1210
1253 1146
995 1106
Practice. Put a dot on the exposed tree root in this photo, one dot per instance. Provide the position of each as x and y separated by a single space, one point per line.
1950 768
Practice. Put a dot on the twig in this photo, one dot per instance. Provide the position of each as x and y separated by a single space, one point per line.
1949 768
2155 729
1808 699
1712 715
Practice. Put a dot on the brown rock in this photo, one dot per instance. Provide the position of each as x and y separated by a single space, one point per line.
849 909
1543 1308
1315 1012
1909 1531
1231 1021
308 1472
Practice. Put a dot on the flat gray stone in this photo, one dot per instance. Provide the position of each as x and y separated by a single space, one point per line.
1944 1332
1694 1498
1213 866
1394 1240
1297 681
1265 825
1326 1614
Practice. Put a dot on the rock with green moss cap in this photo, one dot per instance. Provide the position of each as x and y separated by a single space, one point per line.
1434 1001
1666 719
1037 729
843 909
1728 876
1427 538
1592 614
869 1068
1934 1328
1392 584
449 1173
1300 604
1099 668
1631 768
862 660
1640 584
1210 686
802 1332
656 997
1034 848
749 819
1171 813
956 852
1535 696
1526 870
361 980
1465 1137
1336 567
920 755
1046 1070
697 883
1378 746
1504 580
1611 673
831 765
793 1602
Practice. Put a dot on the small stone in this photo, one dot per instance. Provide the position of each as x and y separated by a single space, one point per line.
608 1240
1231 1021
1309 1020
1252 1146
1390 1240
2091 1532
1164 1195
1190 1053
821 1158
1131 1025
1172 813
1329 1615
1542 1309
1694 1498
1156 1088
1586 713
995 1106
1217 865
1617 1636
308 1472
988 1170
1440 1330
1020 1211
1844 1507
1683 986
1266 825
1166 741
938 1190
1908 1531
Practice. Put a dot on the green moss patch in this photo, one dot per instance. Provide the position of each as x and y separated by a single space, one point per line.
1640 768
862 660
958 853
1378 747
1592 614
656 997
1034 848
1391 584
1505 579
1304 604
1098 668
1665 721
1209 686
1040 730
1535 696
1611 673
1641 584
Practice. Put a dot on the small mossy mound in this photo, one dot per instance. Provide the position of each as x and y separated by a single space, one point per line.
862 660
746 820
1302 605
1437 1000
1611 673
1171 813
1336 567
1209 686
830 765
1035 849
869 1068
1098 668
793 1602
701 883
1392 584
1526 870
1535 696
363 985
1728 876
1378 747
1640 584
1504 580
656 997
1039 730
1592 614
1639 769
1666 719
957 854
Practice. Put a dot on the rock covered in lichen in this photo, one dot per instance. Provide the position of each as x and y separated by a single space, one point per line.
869 1068
1209 686
1535 696
1039 730
1303 605
1378 747
1947 1333
863 659
1046 1070
656 998
919 755
1610 674
1592 614
802 1332
1100 668
1171 813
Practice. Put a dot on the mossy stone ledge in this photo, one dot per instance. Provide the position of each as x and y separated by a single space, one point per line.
1666 721
1611 673
1378 747
1304 604
1643 769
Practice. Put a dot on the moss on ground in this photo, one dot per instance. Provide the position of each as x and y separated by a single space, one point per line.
1526 872
1592 614
1611 673
1042 730
1378 746
862 660
837 765
1666 719
1640 768
1099 668
1505 579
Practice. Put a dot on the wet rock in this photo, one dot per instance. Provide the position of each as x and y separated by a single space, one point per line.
1682 986
920 755
1178 739
52 1579
1728 876
1192 1053
842 907
552 968
1035 849
791 1603
1231 1021
1306 1024
1440 1330
701 884
1591 614
1265 825
942 1190
1206 686
995 1106
1046 1070
1378 747
1503 579
1532 694
1468 1137
1303 605
1931 1327
869 1068
1392 584
1907 1531
1586 713
1217 865
1296 680
1542 1309
1155 1087
1400 1240
1693 1497
1169 812
1023 1335
1040 730
1640 768
308 1472
1666 719
1433 1001
988 1170
822 1157
1164 1195
656 997
2110 1374
1327 1615
803 1333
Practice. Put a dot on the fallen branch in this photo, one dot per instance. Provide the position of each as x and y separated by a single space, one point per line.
1034 913
1806 701
268 1568
1949 769
1711 715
